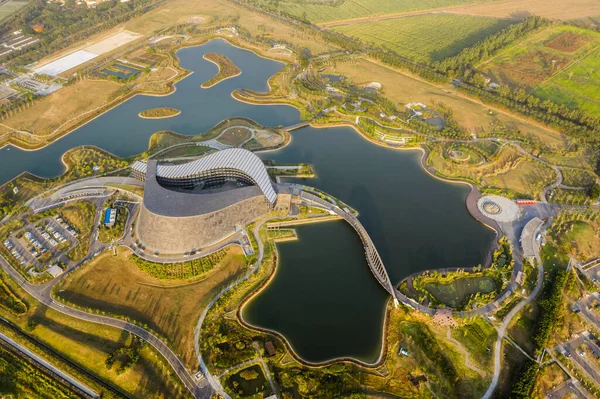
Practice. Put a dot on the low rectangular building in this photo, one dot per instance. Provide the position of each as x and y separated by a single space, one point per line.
110 217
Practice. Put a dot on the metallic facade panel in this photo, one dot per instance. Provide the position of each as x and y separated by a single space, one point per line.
238 159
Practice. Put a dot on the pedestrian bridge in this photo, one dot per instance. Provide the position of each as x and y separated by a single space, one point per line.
297 126
373 259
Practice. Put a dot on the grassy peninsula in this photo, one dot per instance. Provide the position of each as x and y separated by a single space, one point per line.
227 69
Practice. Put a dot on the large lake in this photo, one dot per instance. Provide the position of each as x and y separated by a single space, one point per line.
323 298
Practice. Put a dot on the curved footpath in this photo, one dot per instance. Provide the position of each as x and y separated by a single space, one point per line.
42 293
502 330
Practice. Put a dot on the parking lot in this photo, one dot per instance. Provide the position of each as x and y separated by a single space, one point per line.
41 244
584 351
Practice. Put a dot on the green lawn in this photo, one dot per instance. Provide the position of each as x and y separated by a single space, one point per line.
10 8
323 12
426 37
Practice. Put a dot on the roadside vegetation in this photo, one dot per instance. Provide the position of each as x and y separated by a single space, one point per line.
23 379
334 10
79 215
183 270
227 69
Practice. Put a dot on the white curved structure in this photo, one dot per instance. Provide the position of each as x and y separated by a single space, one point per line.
234 163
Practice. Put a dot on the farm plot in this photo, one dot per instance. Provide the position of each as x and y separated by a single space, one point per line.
351 9
540 57
577 87
431 37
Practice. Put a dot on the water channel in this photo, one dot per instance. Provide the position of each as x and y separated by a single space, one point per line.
323 298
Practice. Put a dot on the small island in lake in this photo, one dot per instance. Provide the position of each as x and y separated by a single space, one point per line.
159 113
227 69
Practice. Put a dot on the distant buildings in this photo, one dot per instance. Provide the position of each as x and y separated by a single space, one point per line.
15 41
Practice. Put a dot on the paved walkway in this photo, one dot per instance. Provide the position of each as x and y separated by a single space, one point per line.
502 330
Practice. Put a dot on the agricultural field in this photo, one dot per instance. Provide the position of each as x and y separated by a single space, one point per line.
11 7
426 38
352 9
550 9
577 87
538 58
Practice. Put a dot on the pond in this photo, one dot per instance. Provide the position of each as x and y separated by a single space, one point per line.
455 293
249 381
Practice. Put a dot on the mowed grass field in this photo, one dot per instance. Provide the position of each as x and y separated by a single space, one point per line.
170 307
10 8
351 9
541 56
432 37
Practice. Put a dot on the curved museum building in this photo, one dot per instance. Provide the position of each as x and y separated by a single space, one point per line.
195 204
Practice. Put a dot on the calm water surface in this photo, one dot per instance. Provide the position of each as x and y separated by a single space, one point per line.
323 298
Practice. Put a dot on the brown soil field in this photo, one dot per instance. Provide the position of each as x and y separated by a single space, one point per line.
567 42
171 307
404 89
530 69
551 9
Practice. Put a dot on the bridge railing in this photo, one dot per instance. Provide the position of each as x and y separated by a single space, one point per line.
373 259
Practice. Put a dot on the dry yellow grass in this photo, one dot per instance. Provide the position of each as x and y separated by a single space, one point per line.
47 114
527 177
551 9
89 344
172 308
181 11
469 114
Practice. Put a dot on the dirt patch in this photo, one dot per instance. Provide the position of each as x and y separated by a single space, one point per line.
196 20
531 69
567 42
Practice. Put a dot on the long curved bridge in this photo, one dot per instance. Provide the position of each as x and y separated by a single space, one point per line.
373 259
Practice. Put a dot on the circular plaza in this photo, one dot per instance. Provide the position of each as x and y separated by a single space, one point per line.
498 208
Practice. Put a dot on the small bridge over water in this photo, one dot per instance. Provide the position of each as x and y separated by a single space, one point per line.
296 126
373 259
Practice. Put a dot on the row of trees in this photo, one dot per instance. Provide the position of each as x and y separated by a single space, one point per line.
466 59
183 270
